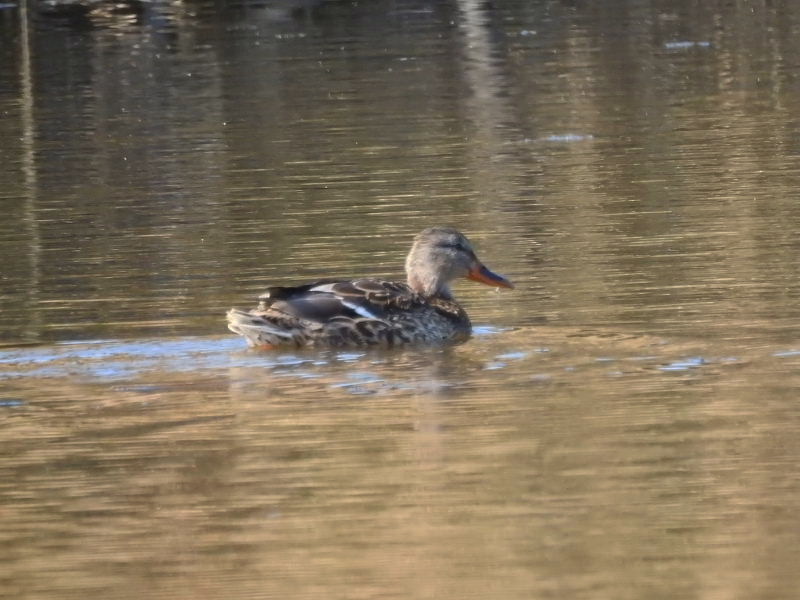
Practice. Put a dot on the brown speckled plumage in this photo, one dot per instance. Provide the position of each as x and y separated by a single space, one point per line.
372 312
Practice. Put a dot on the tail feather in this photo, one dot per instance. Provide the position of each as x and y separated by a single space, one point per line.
260 331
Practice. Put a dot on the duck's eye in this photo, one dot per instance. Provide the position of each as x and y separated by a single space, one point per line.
452 246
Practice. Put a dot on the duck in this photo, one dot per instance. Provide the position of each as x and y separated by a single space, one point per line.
367 312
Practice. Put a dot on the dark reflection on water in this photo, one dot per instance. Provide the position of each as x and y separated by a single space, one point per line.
623 425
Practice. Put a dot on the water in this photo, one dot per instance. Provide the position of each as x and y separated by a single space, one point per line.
623 424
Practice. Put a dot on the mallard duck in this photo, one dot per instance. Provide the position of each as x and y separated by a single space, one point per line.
373 312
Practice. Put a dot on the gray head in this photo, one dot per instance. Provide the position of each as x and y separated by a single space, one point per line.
440 255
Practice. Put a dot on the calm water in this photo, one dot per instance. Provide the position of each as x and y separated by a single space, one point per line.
623 425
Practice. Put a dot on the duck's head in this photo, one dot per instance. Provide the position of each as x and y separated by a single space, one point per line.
440 255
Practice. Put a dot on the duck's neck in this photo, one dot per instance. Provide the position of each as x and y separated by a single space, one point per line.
429 285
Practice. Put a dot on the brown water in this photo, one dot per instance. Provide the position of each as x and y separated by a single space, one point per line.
624 424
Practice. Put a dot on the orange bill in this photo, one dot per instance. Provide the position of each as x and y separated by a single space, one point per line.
483 275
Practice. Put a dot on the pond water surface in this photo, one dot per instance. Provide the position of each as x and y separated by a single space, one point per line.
624 424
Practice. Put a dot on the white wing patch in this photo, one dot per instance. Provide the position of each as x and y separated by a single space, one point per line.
325 287
359 310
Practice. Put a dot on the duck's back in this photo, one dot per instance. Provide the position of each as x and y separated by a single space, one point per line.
361 312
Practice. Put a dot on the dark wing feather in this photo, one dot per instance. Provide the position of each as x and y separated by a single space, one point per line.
274 293
315 307
322 301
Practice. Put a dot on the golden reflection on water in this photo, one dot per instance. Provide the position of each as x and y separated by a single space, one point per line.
624 423
593 461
